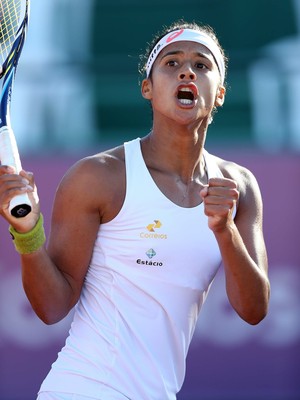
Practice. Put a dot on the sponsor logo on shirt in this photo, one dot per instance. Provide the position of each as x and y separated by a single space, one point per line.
153 231
150 254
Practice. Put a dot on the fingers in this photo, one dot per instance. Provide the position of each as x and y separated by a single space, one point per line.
222 182
204 192
10 170
29 176
6 169
12 184
222 189
219 198
24 181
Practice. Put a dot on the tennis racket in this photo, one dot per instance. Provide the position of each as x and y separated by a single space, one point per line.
14 16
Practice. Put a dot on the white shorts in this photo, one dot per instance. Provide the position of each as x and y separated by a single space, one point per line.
62 396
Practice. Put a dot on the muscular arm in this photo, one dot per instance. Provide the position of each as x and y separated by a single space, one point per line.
53 279
240 241
91 192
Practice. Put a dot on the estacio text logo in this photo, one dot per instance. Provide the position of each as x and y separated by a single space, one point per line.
150 254
153 231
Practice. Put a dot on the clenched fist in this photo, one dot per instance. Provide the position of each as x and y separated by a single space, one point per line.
219 197
12 184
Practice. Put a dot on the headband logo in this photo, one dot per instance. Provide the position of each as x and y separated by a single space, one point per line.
174 35
192 36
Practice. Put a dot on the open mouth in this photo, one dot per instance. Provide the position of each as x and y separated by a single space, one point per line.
186 95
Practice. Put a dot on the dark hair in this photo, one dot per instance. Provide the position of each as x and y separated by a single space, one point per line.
180 24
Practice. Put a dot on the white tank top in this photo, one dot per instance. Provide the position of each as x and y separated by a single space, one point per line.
150 272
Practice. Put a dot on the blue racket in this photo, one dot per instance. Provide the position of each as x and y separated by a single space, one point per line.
14 15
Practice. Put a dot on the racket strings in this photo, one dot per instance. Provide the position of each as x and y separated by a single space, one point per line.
10 11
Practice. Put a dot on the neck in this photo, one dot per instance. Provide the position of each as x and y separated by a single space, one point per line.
178 152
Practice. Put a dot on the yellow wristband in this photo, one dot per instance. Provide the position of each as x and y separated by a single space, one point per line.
29 242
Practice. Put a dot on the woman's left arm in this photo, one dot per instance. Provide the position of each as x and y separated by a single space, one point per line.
241 241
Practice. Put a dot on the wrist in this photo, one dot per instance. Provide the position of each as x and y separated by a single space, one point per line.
29 242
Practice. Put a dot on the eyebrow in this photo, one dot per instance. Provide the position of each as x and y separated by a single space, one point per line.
179 52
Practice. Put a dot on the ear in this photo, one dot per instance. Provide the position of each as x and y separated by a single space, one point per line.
146 89
220 97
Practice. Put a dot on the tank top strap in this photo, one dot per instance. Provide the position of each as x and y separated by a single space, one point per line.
213 171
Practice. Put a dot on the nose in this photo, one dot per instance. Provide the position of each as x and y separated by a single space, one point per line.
187 73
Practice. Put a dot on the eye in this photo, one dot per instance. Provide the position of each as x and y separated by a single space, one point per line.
200 65
172 63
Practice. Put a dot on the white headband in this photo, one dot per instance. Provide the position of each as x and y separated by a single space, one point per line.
189 35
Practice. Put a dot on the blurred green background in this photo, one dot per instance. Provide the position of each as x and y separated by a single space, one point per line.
81 81
120 30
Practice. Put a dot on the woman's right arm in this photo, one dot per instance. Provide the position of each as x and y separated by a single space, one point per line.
53 277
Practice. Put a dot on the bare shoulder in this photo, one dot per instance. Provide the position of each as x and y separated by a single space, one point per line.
96 181
244 178
97 166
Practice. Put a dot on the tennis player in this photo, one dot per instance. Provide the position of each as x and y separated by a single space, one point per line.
138 234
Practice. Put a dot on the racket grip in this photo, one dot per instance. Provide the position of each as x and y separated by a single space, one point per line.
20 205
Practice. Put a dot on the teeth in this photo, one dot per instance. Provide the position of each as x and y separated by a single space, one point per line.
185 95
185 101
186 90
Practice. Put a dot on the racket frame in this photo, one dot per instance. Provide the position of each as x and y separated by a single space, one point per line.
20 205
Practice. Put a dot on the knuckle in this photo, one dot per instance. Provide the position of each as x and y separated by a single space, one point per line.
235 193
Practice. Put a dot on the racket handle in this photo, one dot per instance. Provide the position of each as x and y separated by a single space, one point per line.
20 205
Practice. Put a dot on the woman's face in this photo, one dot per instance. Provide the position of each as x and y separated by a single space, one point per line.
185 83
